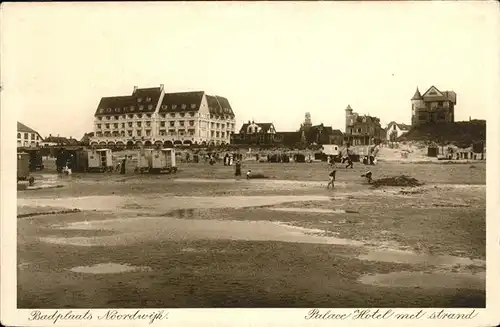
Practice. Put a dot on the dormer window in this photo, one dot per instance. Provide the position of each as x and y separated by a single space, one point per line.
148 99
101 110
174 106
172 115
139 100
164 106
141 107
108 110
117 109
193 106
150 107
183 106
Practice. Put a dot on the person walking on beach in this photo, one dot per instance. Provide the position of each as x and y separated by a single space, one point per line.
348 157
249 172
332 179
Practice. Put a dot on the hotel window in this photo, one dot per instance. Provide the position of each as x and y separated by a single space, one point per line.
181 122
172 124
183 106
212 125
141 107
139 116
162 124
129 133
18 135
98 125
148 123
148 99
148 115
174 106
107 125
124 116
101 110
191 133
108 118
191 114
130 116
139 100
212 133
117 117
117 109
99 118
148 133
222 134
162 115
130 124
122 133
115 125
139 124
217 134
164 106
132 108
172 114
181 133
123 125
191 123
182 114
150 107
108 110
138 132
193 106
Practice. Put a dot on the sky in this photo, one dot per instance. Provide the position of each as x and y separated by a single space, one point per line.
273 61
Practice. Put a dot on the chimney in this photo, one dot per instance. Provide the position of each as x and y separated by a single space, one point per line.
135 89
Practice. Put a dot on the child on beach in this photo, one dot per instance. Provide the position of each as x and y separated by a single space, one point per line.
368 176
249 172
332 179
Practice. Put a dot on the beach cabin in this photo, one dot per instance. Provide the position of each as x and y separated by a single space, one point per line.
23 166
163 161
157 161
100 160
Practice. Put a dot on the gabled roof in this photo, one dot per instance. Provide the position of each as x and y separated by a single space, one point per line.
402 127
141 101
25 129
219 106
265 127
337 132
21 128
181 101
434 94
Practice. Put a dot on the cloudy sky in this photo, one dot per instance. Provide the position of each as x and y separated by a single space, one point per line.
273 61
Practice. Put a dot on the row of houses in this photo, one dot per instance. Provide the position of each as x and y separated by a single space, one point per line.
28 137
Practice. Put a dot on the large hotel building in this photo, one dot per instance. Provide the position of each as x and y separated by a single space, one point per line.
149 116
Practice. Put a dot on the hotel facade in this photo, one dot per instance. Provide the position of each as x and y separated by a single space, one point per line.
149 116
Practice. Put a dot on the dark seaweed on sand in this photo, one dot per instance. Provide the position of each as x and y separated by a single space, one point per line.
401 180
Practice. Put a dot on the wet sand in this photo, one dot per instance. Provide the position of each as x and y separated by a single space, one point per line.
278 236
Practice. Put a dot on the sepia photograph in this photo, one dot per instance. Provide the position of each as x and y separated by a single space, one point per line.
249 155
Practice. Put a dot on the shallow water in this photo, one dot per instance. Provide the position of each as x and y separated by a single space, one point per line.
427 280
407 257
308 210
132 230
109 268
162 204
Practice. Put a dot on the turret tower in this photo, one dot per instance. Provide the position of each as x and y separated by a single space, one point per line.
416 102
